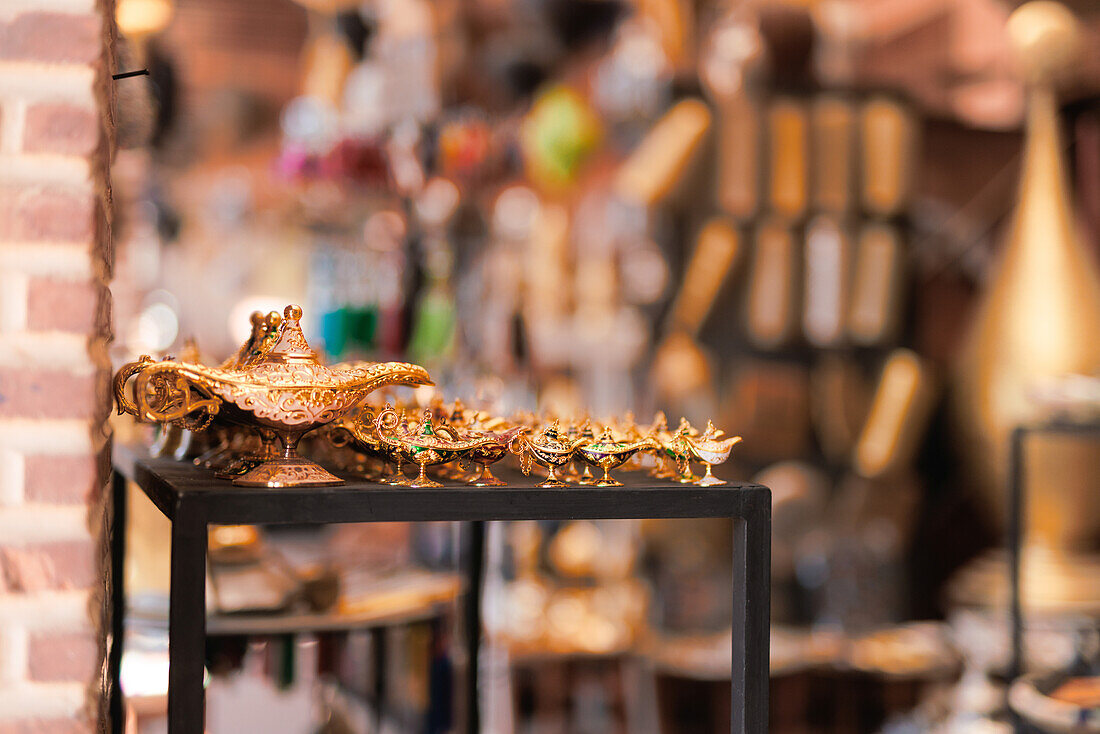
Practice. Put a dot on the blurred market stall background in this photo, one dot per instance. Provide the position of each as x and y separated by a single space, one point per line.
786 215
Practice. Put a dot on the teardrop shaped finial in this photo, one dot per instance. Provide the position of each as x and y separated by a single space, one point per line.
427 428
292 345
1046 40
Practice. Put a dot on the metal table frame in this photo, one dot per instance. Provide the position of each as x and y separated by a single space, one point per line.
1017 504
192 499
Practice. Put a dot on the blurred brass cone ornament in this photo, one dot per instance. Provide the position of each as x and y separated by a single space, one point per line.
1039 318
284 390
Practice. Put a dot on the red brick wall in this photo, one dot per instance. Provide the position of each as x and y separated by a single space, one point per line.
55 203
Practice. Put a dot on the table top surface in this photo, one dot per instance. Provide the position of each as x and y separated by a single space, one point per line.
173 485
290 621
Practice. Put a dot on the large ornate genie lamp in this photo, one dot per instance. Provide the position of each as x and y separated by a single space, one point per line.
281 390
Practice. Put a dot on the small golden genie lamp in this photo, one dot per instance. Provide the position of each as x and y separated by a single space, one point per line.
664 451
495 449
360 432
677 446
355 430
425 445
471 423
606 453
264 336
551 449
283 390
710 449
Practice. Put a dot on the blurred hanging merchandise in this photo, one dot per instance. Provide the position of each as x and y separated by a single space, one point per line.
558 134
788 157
680 366
732 55
897 417
1038 320
658 164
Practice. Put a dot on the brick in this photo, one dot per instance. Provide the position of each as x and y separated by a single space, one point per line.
47 610
46 726
57 436
47 213
104 315
32 393
51 38
60 170
104 398
49 566
60 128
62 305
28 525
14 643
69 262
76 84
43 701
62 656
103 237
50 350
60 479
13 473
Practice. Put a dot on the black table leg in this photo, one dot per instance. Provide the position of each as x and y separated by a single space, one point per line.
1015 542
187 622
751 623
378 664
475 570
118 599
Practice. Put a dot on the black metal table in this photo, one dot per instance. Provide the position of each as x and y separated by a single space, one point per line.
1017 505
192 499
1016 531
